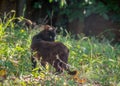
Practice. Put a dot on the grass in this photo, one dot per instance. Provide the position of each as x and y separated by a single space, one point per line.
97 62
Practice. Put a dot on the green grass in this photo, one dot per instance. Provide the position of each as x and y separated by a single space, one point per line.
96 61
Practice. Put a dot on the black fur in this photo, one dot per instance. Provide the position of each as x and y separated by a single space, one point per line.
55 53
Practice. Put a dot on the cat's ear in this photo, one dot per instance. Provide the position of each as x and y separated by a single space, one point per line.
45 28
48 27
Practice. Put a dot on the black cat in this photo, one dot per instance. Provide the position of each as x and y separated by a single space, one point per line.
46 50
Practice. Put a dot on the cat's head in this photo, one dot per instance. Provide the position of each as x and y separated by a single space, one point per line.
48 33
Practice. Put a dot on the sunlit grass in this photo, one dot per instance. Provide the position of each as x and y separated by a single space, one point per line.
96 61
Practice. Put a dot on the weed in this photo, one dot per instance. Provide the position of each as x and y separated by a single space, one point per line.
96 62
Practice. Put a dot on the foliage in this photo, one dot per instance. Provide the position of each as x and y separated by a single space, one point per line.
14 46
97 62
109 9
69 10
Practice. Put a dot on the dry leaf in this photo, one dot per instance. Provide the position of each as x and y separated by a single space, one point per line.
82 81
3 74
76 78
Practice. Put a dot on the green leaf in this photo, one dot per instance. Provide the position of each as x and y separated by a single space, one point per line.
50 1
62 3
